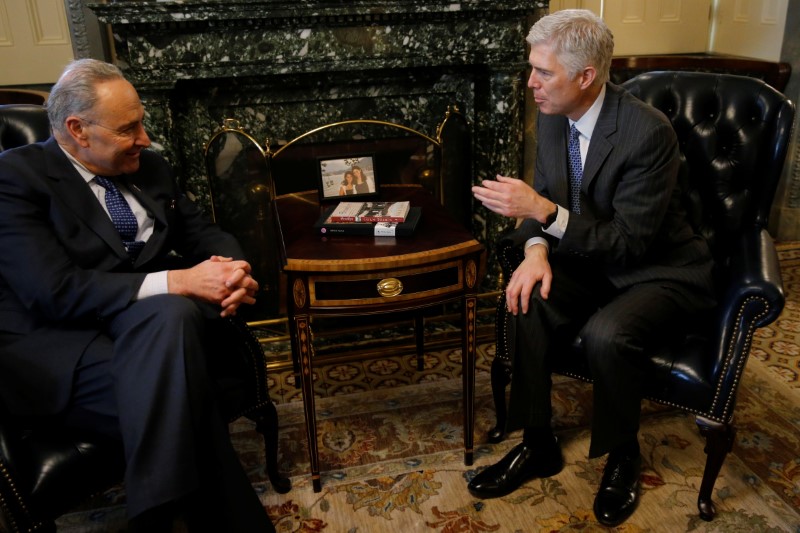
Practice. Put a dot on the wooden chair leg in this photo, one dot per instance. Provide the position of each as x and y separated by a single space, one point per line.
719 441
266 420
501 371
500 378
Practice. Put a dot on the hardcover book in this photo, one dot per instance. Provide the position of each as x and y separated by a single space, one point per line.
370 212
326 226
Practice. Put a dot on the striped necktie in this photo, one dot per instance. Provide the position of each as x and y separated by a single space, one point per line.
122 216
575 170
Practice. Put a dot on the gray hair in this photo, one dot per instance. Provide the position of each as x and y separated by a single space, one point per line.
75 92
579 39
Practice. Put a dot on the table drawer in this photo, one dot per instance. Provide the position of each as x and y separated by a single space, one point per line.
376 288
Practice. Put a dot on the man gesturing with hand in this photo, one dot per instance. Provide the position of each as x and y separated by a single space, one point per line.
609 257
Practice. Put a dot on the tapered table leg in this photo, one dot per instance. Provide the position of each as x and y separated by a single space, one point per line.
303 336
469 349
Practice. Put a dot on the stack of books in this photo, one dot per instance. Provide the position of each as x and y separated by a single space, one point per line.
379 219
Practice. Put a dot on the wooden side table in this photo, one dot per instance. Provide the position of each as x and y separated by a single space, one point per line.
355 275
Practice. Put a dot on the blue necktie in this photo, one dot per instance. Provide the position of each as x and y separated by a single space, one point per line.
575 170
122 216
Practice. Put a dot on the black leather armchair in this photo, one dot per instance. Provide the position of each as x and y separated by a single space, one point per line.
22 124
45 470
733 133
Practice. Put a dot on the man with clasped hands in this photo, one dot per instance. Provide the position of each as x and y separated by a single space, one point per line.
111 333
611 257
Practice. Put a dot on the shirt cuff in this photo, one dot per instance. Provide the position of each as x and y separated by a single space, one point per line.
154 283
536 240
557 228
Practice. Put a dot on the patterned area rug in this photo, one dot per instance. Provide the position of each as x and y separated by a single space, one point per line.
392 459
393 462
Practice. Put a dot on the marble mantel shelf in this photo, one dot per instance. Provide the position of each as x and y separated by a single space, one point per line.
308 11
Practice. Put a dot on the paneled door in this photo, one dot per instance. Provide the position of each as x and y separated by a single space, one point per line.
747 28
34 41
750 28
644 27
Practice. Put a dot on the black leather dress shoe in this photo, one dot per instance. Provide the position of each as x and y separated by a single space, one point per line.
518 466
618 495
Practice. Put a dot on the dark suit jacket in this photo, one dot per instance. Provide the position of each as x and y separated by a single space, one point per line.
632 223
63 269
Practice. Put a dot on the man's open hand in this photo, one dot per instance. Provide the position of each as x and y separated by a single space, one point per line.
512 197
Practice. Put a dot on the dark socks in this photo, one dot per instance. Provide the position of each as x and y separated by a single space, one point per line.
538 437
626 449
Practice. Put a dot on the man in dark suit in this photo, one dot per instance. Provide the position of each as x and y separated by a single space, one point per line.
611 256
108 304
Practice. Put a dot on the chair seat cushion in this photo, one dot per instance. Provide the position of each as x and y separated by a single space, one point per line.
679 374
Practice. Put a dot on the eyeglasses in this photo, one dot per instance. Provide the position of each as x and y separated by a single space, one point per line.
128 132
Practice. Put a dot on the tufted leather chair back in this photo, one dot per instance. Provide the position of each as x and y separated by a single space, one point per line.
732 132
22 124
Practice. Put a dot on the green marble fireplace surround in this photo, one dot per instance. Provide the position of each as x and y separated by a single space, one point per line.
282 68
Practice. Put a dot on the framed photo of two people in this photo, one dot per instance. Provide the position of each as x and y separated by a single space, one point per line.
347 177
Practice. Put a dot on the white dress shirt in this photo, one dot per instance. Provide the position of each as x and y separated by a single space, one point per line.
155 282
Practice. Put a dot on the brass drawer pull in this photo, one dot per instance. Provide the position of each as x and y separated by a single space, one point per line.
389 287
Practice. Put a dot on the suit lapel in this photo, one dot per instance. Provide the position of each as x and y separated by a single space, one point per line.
559 188
73 190
600 146
155 210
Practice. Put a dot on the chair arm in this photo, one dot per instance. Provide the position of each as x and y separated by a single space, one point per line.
11 445
14 514
253 367
517 236
754 273
754 298
509 249
509 253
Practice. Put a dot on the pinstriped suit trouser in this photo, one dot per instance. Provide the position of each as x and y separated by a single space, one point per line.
615 326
